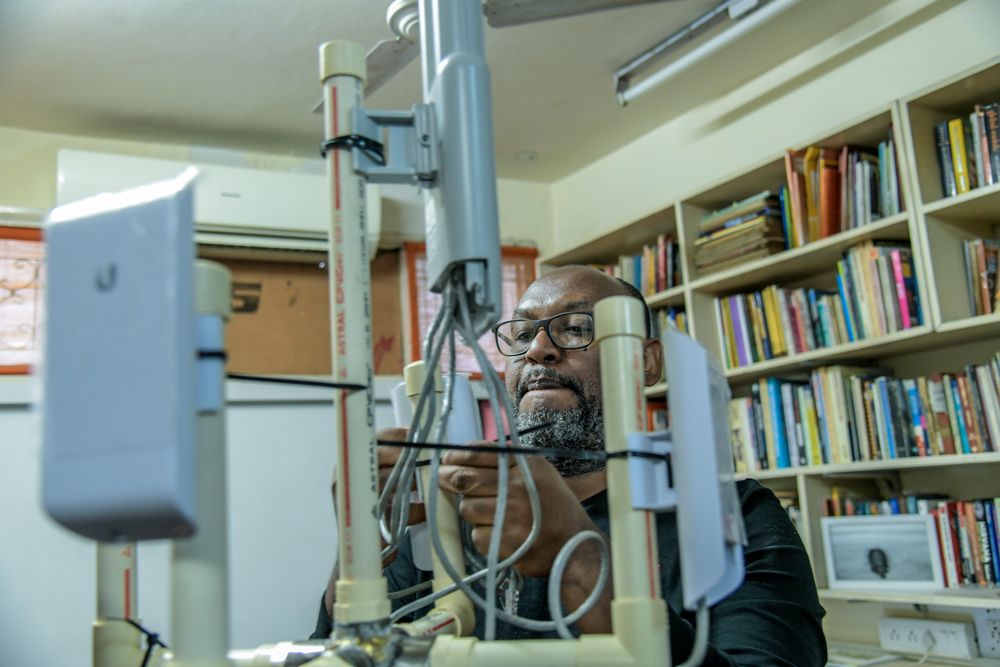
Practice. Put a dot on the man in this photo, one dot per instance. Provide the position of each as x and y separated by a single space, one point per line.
553 374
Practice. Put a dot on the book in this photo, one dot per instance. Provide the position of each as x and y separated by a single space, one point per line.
750 205
795 175
949 184
959 154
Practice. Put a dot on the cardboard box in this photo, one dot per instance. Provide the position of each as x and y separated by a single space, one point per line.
281 317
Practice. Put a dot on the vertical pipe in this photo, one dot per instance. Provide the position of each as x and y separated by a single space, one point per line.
429 48
361 589
116 579
115 642
456 604
638 612
199 582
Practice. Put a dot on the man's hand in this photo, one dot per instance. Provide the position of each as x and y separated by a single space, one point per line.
474 475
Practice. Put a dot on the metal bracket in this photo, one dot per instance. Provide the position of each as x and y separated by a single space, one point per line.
409 140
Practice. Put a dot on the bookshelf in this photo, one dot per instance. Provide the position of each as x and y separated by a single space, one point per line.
949 336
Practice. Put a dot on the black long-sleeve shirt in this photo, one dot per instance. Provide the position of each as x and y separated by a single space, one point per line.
772 620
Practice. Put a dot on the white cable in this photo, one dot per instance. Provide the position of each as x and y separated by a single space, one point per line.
556 575
700 647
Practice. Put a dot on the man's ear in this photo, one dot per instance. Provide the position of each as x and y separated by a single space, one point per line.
652 357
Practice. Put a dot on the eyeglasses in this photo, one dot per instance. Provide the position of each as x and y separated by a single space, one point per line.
567 331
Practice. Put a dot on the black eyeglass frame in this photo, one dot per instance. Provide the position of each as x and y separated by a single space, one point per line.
544 324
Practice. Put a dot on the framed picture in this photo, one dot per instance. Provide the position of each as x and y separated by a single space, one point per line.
22 272
898 551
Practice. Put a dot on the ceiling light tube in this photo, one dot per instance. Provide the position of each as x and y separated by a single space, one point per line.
742 27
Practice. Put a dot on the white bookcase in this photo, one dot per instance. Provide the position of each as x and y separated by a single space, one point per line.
948 338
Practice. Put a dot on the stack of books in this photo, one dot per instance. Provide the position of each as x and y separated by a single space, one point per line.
741 232
968 150
876 295
967 531
655 269
845 414
831 190
981 259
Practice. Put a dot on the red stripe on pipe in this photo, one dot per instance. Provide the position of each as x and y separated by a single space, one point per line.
346 457
128 593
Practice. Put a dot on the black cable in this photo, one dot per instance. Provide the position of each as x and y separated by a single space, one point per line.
296 381
373 149
152 638
576 454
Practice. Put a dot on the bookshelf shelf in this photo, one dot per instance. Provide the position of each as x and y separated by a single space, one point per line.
671 297
802 261
967 597
894 343
974 206
863 468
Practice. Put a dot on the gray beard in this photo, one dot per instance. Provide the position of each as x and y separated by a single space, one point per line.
579 428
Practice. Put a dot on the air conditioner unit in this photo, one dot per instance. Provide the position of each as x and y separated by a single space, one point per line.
234 207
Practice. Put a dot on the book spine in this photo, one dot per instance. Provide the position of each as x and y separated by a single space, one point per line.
929 419
825 450
814 455
969 415
990 395
781 444
968 508
957 512
725 322
901 300
947 547
949 186
942 415
975 147
955 413
978 409
861 418
959 154
760 423
989 506
989 176
991 113
913 402
983 534
880 401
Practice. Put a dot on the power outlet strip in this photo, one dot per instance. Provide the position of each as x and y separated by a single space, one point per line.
988 631
944 639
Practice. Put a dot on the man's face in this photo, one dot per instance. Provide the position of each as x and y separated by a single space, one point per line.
550 384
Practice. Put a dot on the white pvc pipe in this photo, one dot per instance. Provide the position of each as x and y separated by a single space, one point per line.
361 594
199 581
713 45
115 643
116 581
638 609
455 606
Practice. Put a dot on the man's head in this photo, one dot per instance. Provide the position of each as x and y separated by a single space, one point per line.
548 383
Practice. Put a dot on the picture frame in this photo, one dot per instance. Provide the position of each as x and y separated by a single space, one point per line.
22 266
888 552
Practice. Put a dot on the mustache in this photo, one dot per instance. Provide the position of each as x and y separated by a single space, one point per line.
543 373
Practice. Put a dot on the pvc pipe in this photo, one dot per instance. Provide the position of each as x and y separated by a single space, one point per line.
361 589
115 642
116 581
199 583
638 610
454 605
743 26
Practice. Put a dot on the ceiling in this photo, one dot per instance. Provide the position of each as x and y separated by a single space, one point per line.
243 75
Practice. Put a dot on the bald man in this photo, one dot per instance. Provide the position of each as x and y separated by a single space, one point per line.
553 375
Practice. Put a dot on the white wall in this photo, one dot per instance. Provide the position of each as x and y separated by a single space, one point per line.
282 532
780 109
28 180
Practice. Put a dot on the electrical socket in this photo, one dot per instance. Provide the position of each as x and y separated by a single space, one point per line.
911 635
988 631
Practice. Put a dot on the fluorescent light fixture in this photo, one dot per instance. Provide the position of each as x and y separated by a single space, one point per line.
745 22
